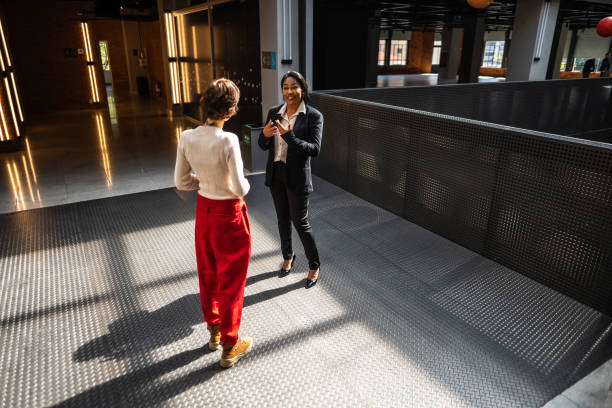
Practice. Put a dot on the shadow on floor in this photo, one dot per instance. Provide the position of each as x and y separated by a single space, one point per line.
143 331
140 387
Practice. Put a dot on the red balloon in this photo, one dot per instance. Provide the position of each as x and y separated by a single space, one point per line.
604 27
479 3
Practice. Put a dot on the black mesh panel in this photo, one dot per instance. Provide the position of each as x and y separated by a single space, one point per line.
538 203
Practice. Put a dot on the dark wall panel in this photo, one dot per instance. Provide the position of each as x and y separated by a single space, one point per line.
237 57
44 37
235 51
339 45
539 204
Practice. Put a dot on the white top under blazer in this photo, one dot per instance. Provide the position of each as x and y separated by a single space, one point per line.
280 146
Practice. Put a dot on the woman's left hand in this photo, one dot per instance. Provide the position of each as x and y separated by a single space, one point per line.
281 128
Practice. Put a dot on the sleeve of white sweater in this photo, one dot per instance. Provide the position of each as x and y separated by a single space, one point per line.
184 178
240 185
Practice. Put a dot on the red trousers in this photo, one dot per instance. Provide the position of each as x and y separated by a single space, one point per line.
223 250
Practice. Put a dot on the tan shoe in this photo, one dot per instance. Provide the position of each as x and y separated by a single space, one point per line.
215 338
231 354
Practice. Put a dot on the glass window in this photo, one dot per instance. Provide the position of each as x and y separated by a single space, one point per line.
579 64
493 54
104 56
399 52
437 49
381 51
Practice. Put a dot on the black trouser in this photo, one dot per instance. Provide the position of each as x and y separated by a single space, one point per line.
292 206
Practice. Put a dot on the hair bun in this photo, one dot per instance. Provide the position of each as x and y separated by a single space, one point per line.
220 99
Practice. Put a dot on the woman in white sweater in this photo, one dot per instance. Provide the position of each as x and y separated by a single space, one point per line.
208 160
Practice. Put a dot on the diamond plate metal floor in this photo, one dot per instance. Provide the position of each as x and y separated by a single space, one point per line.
99 307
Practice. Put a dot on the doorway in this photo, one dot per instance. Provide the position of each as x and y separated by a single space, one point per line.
230 49
106 67
108 78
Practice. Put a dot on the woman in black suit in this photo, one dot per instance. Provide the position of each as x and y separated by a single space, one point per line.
292 136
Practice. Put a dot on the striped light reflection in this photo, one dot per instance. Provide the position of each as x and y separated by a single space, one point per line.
173 65
10 87
95 96
104 149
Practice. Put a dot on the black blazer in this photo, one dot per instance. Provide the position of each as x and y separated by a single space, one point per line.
304 142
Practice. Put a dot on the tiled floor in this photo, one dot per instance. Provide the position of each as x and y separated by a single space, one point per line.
99 308
88 154
593 391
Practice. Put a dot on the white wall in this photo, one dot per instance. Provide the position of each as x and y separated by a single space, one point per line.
397 35
522 65
568 40
590 44
309 22
268 38
495 36
451 44
272 39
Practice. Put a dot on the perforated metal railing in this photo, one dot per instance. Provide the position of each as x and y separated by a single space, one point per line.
577 107
538 203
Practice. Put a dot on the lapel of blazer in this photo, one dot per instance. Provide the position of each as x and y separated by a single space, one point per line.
276 115
300 124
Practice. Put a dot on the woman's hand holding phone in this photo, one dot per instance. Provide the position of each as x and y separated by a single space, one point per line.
270 129
281 129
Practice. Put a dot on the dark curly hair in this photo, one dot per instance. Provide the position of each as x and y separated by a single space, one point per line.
220 99
300 80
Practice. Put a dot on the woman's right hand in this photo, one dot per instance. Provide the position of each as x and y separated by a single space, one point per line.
270 129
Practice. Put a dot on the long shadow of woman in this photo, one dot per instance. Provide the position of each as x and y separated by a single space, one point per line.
140 332
143 331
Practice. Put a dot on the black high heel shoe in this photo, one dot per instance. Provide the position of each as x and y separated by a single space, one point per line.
311 282
284 272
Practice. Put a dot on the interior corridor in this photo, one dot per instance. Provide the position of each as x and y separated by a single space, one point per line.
130 147
80 155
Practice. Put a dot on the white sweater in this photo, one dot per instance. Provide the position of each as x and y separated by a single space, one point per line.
208 159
